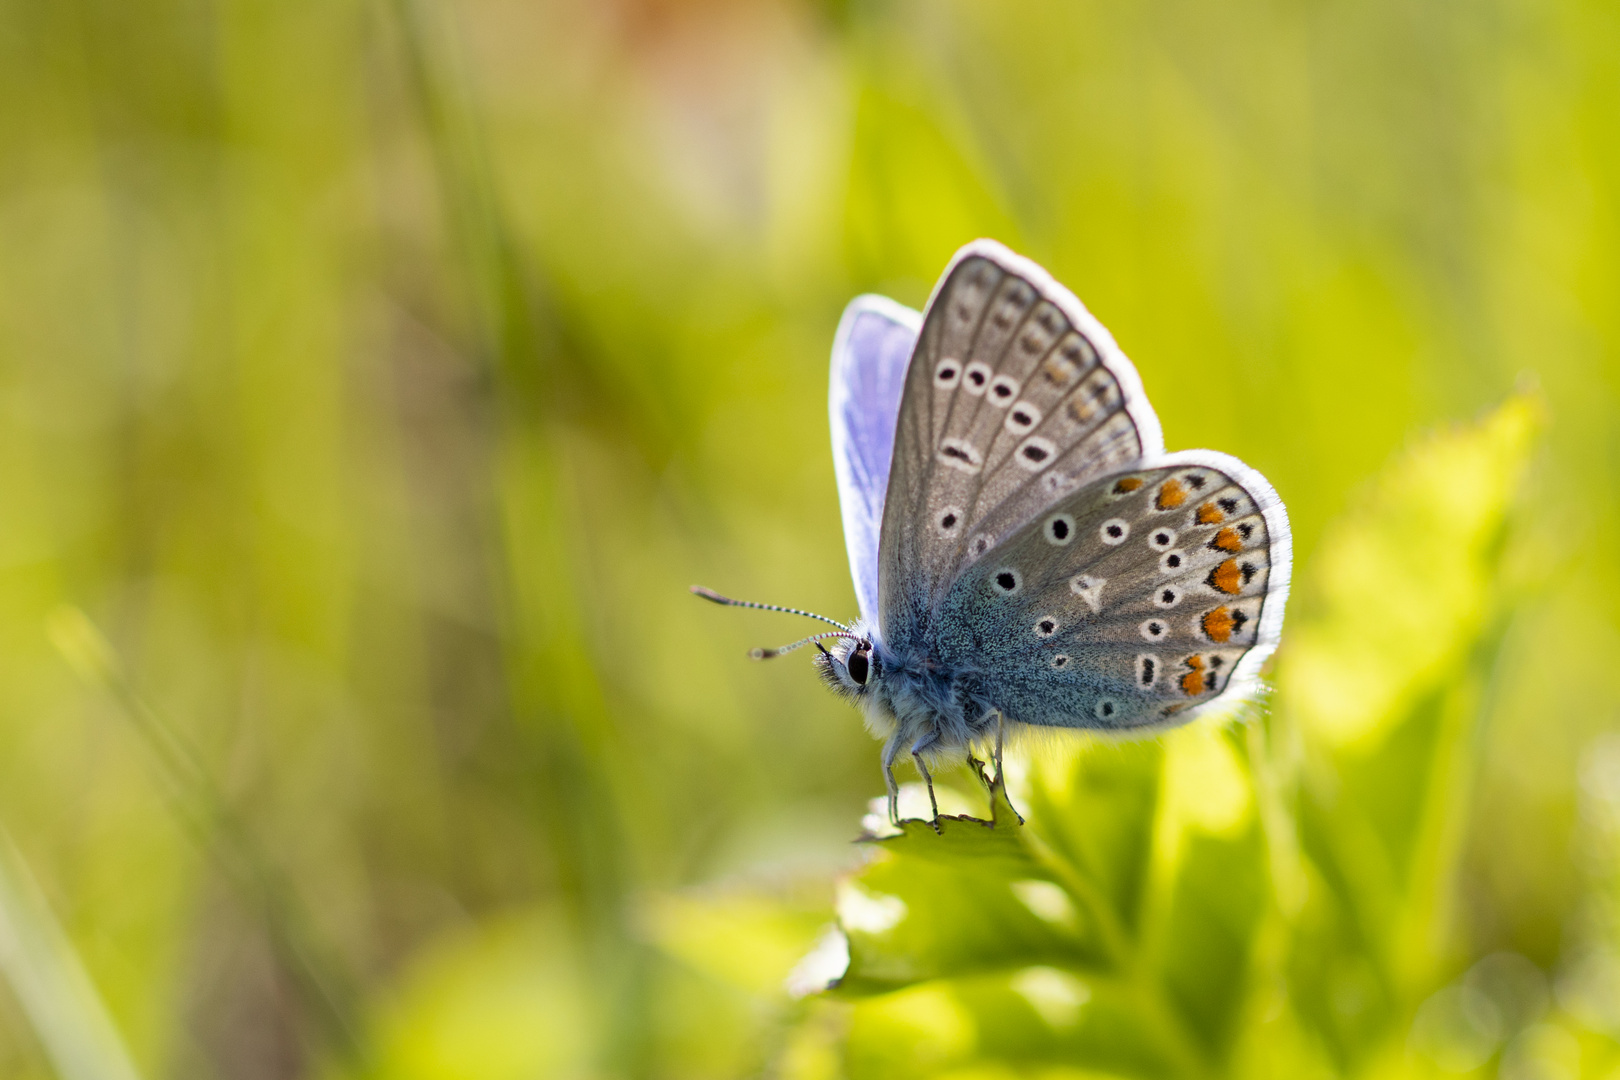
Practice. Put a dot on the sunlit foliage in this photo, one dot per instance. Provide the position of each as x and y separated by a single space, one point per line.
377 375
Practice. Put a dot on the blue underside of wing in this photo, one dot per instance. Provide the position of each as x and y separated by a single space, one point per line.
870 356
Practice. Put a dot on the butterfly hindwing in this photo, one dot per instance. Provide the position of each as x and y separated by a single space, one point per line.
870 352
1135 602
1015 397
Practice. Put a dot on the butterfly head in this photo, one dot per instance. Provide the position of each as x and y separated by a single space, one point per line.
851 666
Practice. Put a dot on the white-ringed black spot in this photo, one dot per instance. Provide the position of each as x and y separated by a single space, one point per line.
948 373
1154 630
1022 418
1060 661
1167 597
1114 531
1171 561
1059 530
980 544
1035 453
1105 709
1147 669
949 520
1046 626
961 454
1162 539
1003 388
1006 581
976 377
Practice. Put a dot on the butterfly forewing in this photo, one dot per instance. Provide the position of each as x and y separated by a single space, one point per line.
1014 398
873 345
1128 603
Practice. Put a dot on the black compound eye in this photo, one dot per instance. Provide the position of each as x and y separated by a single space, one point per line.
858 666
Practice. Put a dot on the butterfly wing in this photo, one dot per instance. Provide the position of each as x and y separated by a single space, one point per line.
1138 601
1014 397
870 351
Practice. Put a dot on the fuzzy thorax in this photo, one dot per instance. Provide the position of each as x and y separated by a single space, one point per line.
909 702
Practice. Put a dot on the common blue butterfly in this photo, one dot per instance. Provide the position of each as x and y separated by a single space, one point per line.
1023 549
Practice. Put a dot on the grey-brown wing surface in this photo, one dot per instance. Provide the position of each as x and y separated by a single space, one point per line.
1136 602
1014 397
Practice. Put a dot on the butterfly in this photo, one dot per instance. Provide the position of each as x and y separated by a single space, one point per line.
1024 552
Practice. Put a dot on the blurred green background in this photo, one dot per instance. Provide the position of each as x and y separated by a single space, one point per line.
377 376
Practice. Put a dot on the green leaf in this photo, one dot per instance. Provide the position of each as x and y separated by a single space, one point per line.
1096 812
1403 584
970 897
1046 927
1382 676
1217 902
1036 1016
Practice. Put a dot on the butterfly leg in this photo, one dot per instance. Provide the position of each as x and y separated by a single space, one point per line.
929 780
977 767
916 755
999 780
889 751
995 756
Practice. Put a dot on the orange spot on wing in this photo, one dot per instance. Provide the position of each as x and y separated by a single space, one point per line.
1192 683
1226 577
1171 495
1228 540
1210 514
1218 624
1127 485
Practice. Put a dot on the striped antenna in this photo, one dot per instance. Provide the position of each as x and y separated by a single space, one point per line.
766 654
714 597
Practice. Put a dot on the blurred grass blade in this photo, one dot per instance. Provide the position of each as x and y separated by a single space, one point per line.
51 984
323 987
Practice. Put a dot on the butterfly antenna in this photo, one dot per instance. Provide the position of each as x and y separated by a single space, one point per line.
766 654
714 597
